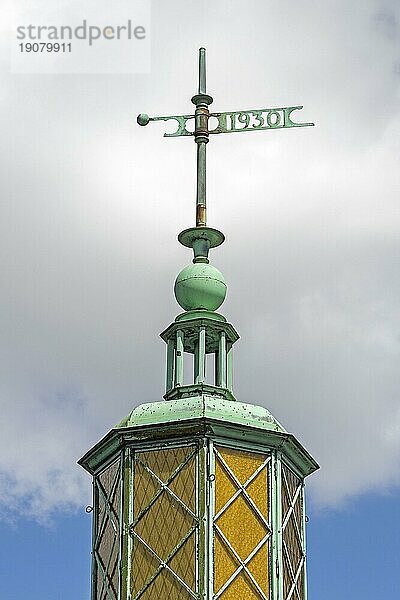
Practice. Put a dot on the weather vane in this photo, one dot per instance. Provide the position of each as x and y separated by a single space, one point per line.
227 122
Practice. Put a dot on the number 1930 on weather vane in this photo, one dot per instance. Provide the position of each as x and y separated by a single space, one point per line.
227 122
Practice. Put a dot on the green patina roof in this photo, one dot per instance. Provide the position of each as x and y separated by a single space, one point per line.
202 406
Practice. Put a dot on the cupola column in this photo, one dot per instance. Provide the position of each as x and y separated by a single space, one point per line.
200 367
170 365
179 358
220 361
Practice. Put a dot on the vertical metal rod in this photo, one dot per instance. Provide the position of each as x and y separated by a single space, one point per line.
170 365
202 71
123 555
197 512
179 358
222 359
196 363
303 501
203 514
278 524
95 526
129 512
273 477
201 219
202 355
201 138
229 383
211 512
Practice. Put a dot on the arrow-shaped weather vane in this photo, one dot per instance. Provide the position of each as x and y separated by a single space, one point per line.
227 122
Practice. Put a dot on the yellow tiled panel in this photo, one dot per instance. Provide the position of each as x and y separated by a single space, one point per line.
243 464
259 568
293 533
108 530
240 589
258 492
164 462
224 489
224 563
165 524
241 527
144 489
183 563
184 484
166 587
144 566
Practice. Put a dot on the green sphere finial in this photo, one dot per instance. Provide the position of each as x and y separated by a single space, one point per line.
200 286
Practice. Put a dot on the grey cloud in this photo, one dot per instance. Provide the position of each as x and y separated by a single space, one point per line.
92 205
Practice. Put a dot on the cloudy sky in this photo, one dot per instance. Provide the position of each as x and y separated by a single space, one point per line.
91 207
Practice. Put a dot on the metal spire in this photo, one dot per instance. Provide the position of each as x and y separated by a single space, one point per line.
201 101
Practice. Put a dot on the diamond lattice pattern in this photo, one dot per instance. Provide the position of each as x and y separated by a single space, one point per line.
241 525
107 534
293 537
164 524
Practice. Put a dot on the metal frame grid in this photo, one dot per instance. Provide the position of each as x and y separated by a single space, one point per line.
164 487
126 516
203 554
276 549
292 497
305 591
242 490
111 501
209 518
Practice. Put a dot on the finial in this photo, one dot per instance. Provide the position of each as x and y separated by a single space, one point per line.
201 238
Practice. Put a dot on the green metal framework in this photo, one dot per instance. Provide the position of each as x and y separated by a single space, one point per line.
144 491
200 337
107 532
156 545
293 538
265 519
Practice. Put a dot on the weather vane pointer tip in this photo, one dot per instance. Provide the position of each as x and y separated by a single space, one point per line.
143 119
